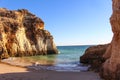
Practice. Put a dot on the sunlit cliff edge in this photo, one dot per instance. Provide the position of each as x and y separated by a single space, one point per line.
108 61
23 34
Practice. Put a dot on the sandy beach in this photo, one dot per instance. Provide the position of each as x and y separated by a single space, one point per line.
8 72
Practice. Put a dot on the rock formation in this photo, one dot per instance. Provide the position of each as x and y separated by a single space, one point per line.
94 56
23 34
111 67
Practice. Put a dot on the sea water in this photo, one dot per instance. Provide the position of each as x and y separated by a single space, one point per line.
68 59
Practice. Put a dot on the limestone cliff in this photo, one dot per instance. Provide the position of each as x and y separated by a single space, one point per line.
111 68
23 34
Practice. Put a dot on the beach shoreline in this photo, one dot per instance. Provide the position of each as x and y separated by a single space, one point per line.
9 72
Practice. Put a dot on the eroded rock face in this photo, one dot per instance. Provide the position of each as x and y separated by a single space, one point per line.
94 56
23 34
111 67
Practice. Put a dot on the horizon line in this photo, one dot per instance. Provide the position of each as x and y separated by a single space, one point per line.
82 44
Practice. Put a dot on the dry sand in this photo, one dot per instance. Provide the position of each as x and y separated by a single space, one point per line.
8 72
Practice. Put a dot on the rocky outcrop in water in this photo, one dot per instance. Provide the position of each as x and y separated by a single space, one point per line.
94 56
23 34
111 67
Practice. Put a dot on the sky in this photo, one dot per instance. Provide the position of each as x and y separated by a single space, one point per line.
71 22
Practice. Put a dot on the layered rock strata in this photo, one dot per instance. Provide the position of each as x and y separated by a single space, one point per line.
23 34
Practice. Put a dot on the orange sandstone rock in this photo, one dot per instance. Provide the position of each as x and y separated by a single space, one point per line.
111 67
23 34
94 56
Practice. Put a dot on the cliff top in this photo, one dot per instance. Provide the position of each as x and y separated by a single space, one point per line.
20 16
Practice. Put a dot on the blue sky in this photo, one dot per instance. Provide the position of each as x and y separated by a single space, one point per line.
71 22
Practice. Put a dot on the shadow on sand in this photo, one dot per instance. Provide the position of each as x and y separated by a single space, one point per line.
49 75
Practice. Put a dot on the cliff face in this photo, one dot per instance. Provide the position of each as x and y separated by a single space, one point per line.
111 68
23 34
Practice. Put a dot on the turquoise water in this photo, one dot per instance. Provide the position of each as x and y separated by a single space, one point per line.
70 54
66 60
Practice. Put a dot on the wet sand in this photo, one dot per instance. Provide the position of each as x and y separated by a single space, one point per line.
8 72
